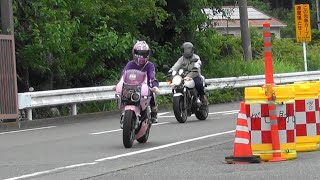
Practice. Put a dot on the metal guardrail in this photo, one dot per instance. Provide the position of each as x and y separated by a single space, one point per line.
32 100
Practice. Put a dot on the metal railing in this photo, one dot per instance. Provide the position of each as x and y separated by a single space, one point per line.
32 100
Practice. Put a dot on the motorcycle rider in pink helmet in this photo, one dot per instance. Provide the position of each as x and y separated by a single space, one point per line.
141 54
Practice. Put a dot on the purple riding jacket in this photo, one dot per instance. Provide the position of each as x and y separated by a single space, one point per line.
149 68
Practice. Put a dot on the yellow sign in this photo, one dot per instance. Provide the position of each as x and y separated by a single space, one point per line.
303 27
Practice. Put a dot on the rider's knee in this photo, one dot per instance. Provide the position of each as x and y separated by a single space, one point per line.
154 108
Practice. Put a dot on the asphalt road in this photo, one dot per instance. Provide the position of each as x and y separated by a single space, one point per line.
91 148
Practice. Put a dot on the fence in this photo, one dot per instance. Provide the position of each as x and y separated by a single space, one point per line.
8 80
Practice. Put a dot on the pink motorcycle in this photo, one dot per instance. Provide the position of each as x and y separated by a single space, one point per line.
133 95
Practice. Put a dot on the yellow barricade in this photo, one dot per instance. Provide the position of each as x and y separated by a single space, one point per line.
259 121
307 115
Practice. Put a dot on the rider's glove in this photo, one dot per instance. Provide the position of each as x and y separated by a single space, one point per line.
155 90
197 64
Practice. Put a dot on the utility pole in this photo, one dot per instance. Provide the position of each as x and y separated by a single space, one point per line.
293 3
318 14
245 32
6 17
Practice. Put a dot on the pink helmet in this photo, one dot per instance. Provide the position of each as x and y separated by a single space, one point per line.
141 52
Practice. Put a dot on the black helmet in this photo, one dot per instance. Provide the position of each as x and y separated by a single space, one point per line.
187 49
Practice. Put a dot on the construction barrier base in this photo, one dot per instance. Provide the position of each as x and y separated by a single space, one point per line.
306 143
307 147
276 159
288 151
269 156
249 159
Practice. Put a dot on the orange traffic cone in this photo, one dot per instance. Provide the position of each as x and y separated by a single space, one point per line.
242 145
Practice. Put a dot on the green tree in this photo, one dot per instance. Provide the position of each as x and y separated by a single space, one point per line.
65 43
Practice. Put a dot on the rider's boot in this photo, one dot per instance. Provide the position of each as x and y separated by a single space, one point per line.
121 120
154 114
199 103
204 100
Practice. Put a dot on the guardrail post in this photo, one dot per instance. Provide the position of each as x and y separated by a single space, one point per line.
73 109
29 114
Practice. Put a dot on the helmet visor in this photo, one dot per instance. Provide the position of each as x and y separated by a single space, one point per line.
187 51
143 53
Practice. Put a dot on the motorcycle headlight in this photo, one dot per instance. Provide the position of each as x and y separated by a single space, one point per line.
177 80
135 97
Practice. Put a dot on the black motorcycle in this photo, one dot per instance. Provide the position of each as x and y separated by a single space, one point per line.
186 100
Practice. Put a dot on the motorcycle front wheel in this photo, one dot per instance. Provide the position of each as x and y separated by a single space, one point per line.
128 133
178 108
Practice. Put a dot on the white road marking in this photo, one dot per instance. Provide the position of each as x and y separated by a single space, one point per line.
163 113
116 130
34 129
221 112
105 132
166 117
117 156
162 146
50 171
231 113
161 123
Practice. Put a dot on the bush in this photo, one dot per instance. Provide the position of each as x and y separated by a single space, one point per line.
225 95
97 106
313 57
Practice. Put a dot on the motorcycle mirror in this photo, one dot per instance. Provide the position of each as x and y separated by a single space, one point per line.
166 68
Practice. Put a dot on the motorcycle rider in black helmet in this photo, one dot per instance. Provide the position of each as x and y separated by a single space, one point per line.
191 62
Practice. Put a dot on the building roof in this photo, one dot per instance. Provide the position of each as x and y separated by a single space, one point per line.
232 17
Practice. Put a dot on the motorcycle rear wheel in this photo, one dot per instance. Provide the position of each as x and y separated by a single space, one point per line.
202 113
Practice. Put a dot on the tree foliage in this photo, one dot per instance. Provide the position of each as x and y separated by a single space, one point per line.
67 43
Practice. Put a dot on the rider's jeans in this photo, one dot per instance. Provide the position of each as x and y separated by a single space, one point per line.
199 86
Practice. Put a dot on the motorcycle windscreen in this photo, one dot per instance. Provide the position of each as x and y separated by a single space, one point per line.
134 77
